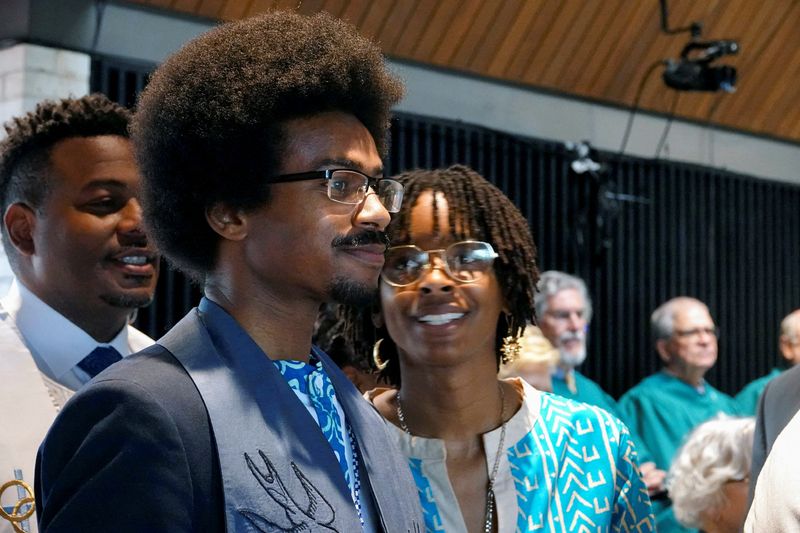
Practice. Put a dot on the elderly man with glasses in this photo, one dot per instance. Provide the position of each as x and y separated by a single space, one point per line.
666 406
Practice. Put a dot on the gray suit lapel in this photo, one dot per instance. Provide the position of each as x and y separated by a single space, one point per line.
278 471
393 488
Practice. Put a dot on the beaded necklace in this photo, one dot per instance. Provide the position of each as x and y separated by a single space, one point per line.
490 498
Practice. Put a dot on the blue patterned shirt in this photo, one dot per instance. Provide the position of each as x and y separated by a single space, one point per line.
566 467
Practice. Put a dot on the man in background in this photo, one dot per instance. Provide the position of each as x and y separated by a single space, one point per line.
72 231
666 406
789 346
563 311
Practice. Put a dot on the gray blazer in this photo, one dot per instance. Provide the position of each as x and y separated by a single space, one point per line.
779 402
135 450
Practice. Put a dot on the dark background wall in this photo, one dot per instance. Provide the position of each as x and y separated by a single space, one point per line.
639 231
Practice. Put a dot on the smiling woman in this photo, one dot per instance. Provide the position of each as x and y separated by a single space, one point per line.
487 455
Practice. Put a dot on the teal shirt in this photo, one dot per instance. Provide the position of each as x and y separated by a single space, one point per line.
587 391
662 410
747 399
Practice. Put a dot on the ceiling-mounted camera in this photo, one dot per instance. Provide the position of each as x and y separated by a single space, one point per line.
694 70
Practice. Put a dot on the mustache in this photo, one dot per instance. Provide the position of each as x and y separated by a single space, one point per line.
569 336
361 239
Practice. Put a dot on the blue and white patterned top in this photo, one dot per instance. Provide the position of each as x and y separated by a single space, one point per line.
310 380
568 467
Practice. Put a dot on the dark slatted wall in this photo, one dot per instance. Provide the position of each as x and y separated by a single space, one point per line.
639 231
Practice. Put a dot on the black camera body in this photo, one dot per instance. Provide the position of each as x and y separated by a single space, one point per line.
694 70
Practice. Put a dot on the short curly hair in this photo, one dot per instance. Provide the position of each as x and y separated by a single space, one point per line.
714 453
209 126
476 210
25 151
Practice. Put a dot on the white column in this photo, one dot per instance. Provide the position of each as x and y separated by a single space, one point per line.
31 73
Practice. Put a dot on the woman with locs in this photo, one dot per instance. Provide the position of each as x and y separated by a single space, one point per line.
486 454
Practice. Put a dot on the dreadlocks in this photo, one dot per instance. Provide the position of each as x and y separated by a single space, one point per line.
476 210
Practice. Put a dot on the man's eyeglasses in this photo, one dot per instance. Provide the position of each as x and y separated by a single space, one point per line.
696 332
465 261
347 186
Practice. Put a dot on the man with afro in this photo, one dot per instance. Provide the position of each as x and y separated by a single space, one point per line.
260 144
82 263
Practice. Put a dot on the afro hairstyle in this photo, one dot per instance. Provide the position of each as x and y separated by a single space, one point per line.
209 126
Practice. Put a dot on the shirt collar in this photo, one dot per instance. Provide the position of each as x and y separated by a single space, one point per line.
699 389
562 373
57 341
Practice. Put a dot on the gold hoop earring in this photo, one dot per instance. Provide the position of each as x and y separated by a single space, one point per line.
376 356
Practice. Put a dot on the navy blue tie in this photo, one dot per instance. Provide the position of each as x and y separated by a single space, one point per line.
100 358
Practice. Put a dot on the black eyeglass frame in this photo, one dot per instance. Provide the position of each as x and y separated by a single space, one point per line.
327 174
443 254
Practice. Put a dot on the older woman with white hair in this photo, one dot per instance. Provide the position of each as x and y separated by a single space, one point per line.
709 477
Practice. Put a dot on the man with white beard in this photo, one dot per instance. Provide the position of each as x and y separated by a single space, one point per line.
563 312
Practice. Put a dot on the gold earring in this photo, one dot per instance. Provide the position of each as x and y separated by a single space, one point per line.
511 347
376 356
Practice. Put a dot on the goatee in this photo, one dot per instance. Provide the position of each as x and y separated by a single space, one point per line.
349 292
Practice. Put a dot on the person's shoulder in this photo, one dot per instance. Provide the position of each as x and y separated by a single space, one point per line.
646 388
154 363
589 385
141 394
151 375
717 396
381 398
576 413
756 386
786 383
139 426
747 398
584 380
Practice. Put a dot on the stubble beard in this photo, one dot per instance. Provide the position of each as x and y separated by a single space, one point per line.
127 301
349 292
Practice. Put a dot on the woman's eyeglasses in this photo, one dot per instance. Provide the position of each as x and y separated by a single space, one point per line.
347 186
465 261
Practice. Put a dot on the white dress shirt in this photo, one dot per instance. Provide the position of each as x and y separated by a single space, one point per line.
57 344
776 502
